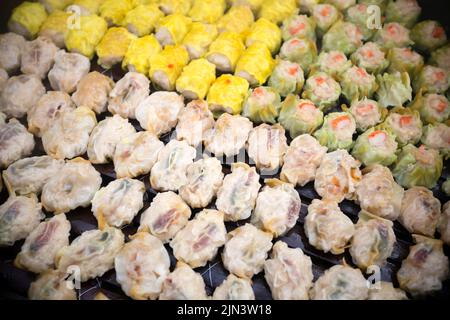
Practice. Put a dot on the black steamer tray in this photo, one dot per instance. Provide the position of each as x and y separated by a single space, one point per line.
14 282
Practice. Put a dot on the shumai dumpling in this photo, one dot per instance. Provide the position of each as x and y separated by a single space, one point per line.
425 267
105 136
52 285
29 175
15 142
337 176
73 186
444 224
183 284
204 178
198 242
38 57
378 193
327 227
167 215
302 159
68 134
43 243
169 172
141 266
127 94
194 121
234 288
19 216
20 94
48 107
3 78
237 195
68 70
386 291
136 154
288 273
118 203
158 113
420 212
92 91
93 252
277 207
11 48
228 136
246 250
340 283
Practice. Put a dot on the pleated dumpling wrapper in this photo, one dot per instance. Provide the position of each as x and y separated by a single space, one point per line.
140 52
196 79
227 94
238 19
85 38
175 6
208 11
266 32
225 51
55 27
114 11
142 20
277 10
53 5
172 29
113 46
27 18
85 7
256 64
198 39
166 66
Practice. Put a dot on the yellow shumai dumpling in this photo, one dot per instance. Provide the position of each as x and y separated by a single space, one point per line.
256 64
266 32
166 66
55 5
207 11
196 79
55 27
113 46
142 19
199 38
139 53
27 18
227 94
225 51
114 11
172 29
238 19
277 10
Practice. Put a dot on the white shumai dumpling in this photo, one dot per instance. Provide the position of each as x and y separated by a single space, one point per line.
41 246
20 94
204 178
194 121
385 291
3 78
267 145
29 175
340 283
327 228
52 285
71 187
169 172
18 217
167 215
229 135
372 242
237 195
118 203
246 250
158 113
302 159
378 193
11 48
420 212
38 57
198 242
277 207
288 273
105 136
93 91
127 94
68 134
234 288
68 70
426 266
15 142
136 154
337 176
93 252
444 223
183 284
44 112
141 267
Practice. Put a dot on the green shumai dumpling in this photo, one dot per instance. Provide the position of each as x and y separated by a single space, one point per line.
370 57
441 58
392 35
299 116
428 35
375 146
437 136
325 16
262 104
418 167
342 36
300 27
359 15
367 113
357 83
405 12
301 51
287 77
405 60
432 80
334 63
322 90
394 89
432 107
337 131
405 124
